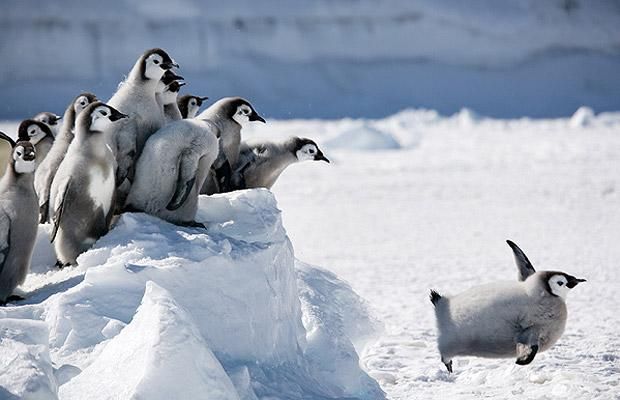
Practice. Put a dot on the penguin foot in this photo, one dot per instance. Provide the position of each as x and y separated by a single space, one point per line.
60 265
193 224
449 366
10 299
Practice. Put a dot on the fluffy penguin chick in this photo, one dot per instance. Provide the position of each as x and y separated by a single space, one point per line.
229 114
18 217
261 163
169 101
47 168
39 134
50 119
83 189
189 105
504 319
174 161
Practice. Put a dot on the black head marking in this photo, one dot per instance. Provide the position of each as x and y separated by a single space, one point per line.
571 281
22 131
29 151
299 143
170 77
51 118
175 86
167 62
183 103
233 105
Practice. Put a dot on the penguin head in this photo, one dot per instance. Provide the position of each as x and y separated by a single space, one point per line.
189 105
155 62
560 283
82 101
241 111
24 157
102 116
33 131
48 118
307 149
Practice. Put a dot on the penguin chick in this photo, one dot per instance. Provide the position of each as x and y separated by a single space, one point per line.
39 134
169 101
504 319
47 168
50 119
189 105
229 114
261 163
18 217
83 189
175 160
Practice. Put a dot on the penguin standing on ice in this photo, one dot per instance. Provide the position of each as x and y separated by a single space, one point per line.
229 114
82 192
261 163
18 217
504 319
175 160
39 134
189 105
50 119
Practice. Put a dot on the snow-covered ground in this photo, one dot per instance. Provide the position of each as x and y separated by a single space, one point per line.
413 201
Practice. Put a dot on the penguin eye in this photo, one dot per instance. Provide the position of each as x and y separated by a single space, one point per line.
156 62
311 151
560 283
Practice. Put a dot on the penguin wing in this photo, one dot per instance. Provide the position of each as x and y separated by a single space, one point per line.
59 207
525 266
188 167
527 346
5 238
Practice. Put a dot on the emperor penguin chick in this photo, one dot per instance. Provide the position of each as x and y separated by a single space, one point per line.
18 217
39 134
229 114
504 319
169 101
189 105
82 192
47 168
261 163
50 119
175 160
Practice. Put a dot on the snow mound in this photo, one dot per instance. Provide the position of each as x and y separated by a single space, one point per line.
137 363
160 311
364 137
582 117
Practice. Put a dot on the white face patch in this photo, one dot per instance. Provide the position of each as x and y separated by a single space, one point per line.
192 108
557 283
100 119
80 104
307 152
153 69
242 116
35 134
22 166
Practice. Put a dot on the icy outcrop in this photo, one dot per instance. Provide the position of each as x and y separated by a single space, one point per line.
155 309
363 137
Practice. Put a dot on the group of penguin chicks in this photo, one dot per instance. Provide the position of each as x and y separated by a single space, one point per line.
147 150
144 150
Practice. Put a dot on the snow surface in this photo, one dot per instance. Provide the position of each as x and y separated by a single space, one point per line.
392 223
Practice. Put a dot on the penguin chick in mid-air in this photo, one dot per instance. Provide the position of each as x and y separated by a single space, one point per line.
189 105
261 163
175 161
229 114
504 319
50 119
18 217
82 192
47 168
39 134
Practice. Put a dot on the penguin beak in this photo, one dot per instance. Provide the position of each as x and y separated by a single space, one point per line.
55 119
29 155
572 282
169 65
203 98
255 117
116 115
321 157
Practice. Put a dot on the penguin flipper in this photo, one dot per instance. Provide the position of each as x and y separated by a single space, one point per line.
223 176
181 193
525 266
5 238
526 353
43 211
188 168
60 207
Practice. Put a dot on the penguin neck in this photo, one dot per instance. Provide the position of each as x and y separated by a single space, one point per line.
13 179
172 111
68 124
284 157
136 78
93 143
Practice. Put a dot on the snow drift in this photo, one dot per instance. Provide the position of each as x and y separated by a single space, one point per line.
159 311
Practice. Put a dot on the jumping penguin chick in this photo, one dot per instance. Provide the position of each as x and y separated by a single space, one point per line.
504 319
189 105
175 160
50 119
47 168
39 134
18 218
261 163
229 114
82 192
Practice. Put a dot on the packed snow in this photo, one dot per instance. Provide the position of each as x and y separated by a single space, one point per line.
243 305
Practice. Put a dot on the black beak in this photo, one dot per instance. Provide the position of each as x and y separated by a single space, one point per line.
116 115
321 157
55 120
255 117
182 84
30 156
203 98
169 65
572 282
